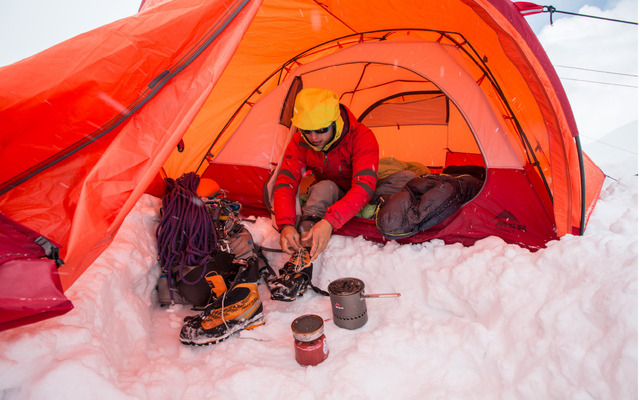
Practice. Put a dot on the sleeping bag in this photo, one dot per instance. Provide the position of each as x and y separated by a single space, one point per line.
424 202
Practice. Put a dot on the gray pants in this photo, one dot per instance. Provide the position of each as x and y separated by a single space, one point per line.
325 193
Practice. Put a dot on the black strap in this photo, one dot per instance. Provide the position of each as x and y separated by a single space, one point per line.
50 250
318 290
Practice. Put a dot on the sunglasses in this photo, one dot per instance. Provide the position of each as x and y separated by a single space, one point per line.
317 131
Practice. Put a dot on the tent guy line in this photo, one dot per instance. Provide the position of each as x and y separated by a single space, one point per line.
552 9
597 70
527 8
601 83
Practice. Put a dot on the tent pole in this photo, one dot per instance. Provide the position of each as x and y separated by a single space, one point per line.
583 186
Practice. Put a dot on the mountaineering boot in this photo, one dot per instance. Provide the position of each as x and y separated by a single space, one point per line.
237 309
294 277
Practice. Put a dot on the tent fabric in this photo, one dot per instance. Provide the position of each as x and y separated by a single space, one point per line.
88 124
528 8
57 98
457 83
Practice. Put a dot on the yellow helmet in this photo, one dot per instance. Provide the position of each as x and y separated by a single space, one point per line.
315 109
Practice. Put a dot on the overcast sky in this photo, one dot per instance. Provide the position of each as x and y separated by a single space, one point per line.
597 62
590 55
30 26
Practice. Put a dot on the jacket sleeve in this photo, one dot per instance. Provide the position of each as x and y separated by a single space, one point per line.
365 155
287 184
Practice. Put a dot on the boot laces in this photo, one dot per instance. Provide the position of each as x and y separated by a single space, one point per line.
299 261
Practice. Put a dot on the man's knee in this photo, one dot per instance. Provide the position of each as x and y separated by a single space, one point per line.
322 195
325 191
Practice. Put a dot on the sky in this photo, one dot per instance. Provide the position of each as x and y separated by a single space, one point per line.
34 25
597 62
539 21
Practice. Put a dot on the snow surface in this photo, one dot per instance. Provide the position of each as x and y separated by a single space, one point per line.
490 321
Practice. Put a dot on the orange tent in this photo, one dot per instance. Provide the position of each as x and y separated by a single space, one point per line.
87 125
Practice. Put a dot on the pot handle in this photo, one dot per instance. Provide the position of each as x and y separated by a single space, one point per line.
382 295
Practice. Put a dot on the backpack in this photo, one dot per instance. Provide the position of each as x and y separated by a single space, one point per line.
30 288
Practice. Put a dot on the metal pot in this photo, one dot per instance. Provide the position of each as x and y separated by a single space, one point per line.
348 302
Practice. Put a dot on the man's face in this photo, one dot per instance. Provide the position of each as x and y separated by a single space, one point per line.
320 137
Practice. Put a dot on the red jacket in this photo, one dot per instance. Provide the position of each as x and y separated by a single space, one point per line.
351 162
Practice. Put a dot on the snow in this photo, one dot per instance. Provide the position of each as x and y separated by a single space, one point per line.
617 152
488 321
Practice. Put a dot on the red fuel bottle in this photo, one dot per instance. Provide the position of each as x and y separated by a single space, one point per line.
313 352
310 342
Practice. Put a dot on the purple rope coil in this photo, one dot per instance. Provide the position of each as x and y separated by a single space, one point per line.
186 234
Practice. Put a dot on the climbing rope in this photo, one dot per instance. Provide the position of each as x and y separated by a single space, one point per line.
186 234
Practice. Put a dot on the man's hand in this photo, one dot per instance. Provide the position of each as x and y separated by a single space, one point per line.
290 239
320 235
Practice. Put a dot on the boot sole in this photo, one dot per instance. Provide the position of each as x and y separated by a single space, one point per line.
288 299
254 322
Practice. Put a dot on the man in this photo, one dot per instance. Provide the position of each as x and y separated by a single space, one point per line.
342 153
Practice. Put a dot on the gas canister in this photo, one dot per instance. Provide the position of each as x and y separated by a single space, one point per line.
310 343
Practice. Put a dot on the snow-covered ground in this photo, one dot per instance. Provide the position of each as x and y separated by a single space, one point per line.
491 321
